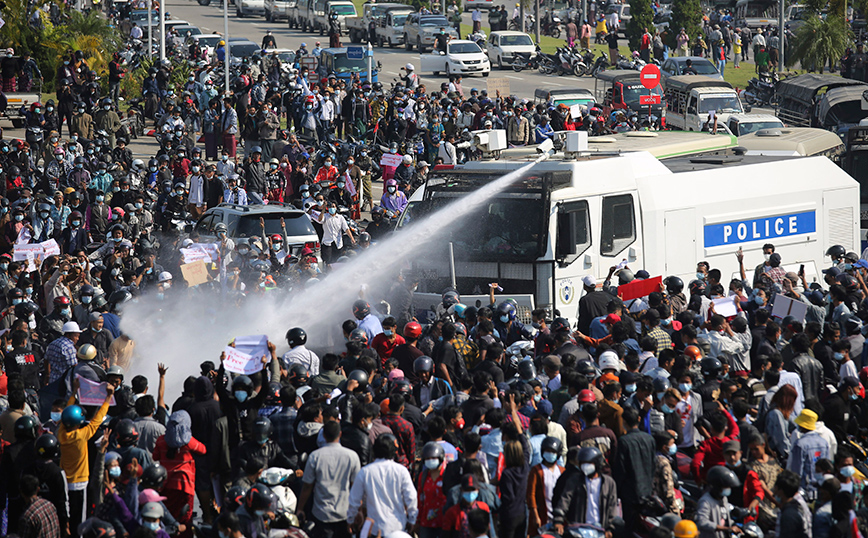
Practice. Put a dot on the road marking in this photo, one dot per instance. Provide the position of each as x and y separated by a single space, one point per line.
514 78
391 72
554 83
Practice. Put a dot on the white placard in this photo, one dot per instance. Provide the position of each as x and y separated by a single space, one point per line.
784 306
725 306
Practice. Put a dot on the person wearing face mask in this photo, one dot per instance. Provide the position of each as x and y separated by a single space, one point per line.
712 516
664 485
275 181
795 518
573 505
81 123
334 228
234 194
751 493
15 225
74 235
108 120
97 216
340 196
393 200
175 451
43 224
541 482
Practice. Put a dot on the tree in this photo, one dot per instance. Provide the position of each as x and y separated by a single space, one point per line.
686 14
818 41
642 17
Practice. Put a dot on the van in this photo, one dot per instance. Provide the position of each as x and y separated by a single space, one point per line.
690 99
742 124
644 213
622 89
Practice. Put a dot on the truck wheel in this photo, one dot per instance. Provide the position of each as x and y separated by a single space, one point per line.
238 12
17 123
204 2
419 45
407 44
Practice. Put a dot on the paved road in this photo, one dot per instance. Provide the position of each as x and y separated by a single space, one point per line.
210 19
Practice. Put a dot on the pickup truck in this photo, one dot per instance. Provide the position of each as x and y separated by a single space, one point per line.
358 27
317 13
16 101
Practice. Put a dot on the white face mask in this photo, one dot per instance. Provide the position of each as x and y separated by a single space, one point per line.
588 469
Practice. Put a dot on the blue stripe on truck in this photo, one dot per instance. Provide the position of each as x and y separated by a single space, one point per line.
744 231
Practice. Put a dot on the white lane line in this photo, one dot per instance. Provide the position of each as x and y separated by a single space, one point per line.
391 72
514 78
554 83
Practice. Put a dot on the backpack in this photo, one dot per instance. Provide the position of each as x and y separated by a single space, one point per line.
468 349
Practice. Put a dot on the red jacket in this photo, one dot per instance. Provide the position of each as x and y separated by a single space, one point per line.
181 468
710 451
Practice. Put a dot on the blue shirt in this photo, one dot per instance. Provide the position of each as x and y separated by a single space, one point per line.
371 325
112 323
543 133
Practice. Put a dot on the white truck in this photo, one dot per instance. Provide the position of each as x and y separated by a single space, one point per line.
539 237
383 17
690 100
317 14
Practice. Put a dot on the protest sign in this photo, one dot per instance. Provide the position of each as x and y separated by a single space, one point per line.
390 160
194 255
639 288
21 252
195 273
50 248
91 392
240 363
784 306
725 306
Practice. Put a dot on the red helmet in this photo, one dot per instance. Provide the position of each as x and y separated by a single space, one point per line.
586 396
61 300
412 330
276 238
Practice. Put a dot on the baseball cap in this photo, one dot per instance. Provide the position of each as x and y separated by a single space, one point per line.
731 446
589 281
150 496
611 319
834 271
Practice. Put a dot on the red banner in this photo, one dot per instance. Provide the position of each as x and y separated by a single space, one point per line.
639 288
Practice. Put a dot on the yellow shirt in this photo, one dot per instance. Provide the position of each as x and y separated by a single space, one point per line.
73 446
736 46
601 26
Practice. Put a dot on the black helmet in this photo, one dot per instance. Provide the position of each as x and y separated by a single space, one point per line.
258 497
261 430
661 384
551 444
120 296
722 477
710 367
559 324
87 289
154 476
361 309
361 376
244 383
433 449
674 284
96 528
298 375
296 337
99 301
423 364
359 335
47 446
127 433
586 367
402 386
450 297
836 251
526 369
591 454
26 428
15 293
25 310
234 498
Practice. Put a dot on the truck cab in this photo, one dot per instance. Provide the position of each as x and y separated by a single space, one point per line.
622 90
324 8
336 61
390 28
742 124
690 99
374 14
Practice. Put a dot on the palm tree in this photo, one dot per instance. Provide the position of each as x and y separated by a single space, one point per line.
819 41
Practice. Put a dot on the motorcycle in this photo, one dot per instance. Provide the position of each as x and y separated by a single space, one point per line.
761 91
600 64
526 60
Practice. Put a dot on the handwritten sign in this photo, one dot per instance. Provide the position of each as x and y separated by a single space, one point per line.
23 236
192 255
246 357
496 84
389 159
195 273
22 252
213 249
91 392
50 248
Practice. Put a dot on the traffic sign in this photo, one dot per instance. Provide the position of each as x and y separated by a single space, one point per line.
649 99
355 53
650 76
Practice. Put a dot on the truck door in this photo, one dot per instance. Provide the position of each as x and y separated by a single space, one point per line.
574 253
617 96
691 118
618 232
680 227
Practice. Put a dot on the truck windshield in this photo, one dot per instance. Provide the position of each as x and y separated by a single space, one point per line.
435 21
721 103
345 65
297 224
398 20
343 9
634 91
754 126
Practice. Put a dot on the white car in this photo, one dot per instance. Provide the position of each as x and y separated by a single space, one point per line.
209 41
461 57
470 5
503 45
249 7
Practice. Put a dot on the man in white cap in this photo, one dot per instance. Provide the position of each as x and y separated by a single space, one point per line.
592 305
411 78
60 354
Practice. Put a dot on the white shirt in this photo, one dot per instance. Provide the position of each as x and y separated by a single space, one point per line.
792 378
759 40
550 477
848 369
476 15
333 228
305 357
447 153
387 490
592 513
197 190
328 110
136 33
225 168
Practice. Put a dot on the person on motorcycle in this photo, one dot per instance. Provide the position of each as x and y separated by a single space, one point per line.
108 120
712 514
339 194
327 173
393 200
81 123
404 172
411 79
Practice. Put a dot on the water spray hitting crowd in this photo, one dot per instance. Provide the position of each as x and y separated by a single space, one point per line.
200 342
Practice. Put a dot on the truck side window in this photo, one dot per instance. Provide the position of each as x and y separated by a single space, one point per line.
616 94
608 99
618 227
204 225
580 218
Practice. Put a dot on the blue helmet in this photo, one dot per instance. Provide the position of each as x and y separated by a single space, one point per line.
72 417
506 309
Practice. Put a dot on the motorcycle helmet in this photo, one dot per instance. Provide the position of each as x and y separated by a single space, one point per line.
433 450
710 367
127 433
836 252
258 498
47 446
26 428
507 310
412 330
296 337
526 369
154 477
361 309
551 444
359 335
360 376
261 430
72 417
559 324
674 285
423 364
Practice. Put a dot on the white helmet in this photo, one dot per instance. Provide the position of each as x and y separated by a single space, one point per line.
409 67
408 159
164 277
609 361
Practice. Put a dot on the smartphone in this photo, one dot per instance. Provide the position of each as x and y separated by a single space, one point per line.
802 270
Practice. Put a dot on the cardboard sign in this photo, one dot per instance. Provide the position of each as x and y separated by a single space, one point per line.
195 273
725 306
639 288
194 254
498 84
246 357
50 248
784 306
391 160
91 392
22 252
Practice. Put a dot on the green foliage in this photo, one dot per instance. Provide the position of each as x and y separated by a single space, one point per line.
131 85
642 17
818 41
686 14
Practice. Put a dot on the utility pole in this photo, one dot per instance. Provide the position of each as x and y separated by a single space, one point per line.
226 43
162 32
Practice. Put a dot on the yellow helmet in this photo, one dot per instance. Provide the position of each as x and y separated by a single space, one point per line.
86 352
221 42
686 529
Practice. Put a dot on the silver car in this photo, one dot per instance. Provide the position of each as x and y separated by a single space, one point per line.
420 31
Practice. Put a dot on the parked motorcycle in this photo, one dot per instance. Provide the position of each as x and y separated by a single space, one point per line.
526 60
761 91
600 64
